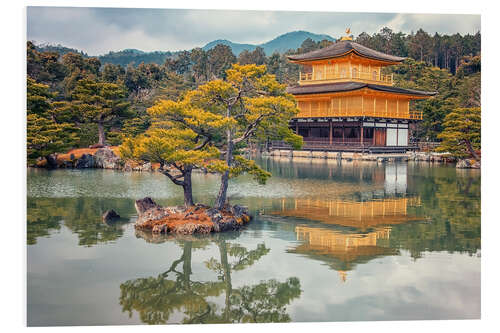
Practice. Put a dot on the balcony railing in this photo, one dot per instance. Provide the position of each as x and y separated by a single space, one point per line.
353 75
321 112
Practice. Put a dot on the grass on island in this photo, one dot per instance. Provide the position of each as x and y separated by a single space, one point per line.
193 220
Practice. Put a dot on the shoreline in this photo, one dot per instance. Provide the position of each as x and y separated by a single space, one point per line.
108 158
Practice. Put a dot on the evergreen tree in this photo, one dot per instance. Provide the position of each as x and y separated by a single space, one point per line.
100 103
44 135
462 133
252 105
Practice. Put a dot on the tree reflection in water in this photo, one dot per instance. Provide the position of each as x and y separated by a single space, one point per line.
157 298
82 216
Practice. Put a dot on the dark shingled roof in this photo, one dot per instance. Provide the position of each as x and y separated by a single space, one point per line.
350 86
341 48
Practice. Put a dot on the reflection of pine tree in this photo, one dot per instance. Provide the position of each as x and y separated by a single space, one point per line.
155 299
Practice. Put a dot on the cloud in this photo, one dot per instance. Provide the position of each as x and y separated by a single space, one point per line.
100 30
440 23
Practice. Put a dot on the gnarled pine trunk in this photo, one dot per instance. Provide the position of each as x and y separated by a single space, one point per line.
188 188
471 150
224 179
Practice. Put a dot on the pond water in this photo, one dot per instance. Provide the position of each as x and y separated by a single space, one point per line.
329 241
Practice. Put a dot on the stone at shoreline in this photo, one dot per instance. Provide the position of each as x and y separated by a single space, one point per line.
51 161
143 205
85 162
105 158
468 164
109 216
180 220
131 166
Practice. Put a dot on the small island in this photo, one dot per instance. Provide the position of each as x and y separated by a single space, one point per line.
188 220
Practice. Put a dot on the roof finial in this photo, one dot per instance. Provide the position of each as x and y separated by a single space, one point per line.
348 35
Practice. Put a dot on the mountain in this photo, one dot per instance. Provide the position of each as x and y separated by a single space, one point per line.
237 48
281 44
58 49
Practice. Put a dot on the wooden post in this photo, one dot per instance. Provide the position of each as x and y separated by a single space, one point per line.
331 130
343 131
361 136
297 128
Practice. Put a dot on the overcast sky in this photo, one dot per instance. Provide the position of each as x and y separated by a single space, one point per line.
100 30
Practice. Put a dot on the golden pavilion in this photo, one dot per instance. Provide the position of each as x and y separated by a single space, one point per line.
346 103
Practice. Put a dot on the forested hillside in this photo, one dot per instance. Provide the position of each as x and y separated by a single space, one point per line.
71 96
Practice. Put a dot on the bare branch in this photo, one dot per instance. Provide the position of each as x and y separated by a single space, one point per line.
251 128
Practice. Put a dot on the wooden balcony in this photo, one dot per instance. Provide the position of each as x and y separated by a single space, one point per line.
325 112
352 75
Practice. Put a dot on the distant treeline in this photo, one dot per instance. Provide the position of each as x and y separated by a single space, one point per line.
443 51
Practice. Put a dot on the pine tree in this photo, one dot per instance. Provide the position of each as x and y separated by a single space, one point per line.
253 106
100 103
462 133
44 135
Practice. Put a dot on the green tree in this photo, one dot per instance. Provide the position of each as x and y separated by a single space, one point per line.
173 142
462 133
113 73
252 105
44 135
220 59
100 103
44 67
257 57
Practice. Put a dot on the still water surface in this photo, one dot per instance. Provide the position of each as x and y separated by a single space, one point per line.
330 241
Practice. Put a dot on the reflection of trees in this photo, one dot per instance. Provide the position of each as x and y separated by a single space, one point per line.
157 298
42 217
453 207
83 216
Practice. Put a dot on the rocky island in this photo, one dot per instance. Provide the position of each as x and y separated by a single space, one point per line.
199 218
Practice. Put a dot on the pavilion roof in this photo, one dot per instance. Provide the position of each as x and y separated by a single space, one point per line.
342 48
350 86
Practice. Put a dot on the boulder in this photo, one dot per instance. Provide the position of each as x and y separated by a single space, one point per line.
109 216
142 205
51 161
468 164
148 210
105 158
146 167
86 161
127 167
214 214
67 164
239 211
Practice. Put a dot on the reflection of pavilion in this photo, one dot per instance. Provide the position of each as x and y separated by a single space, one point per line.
343 248
361 215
